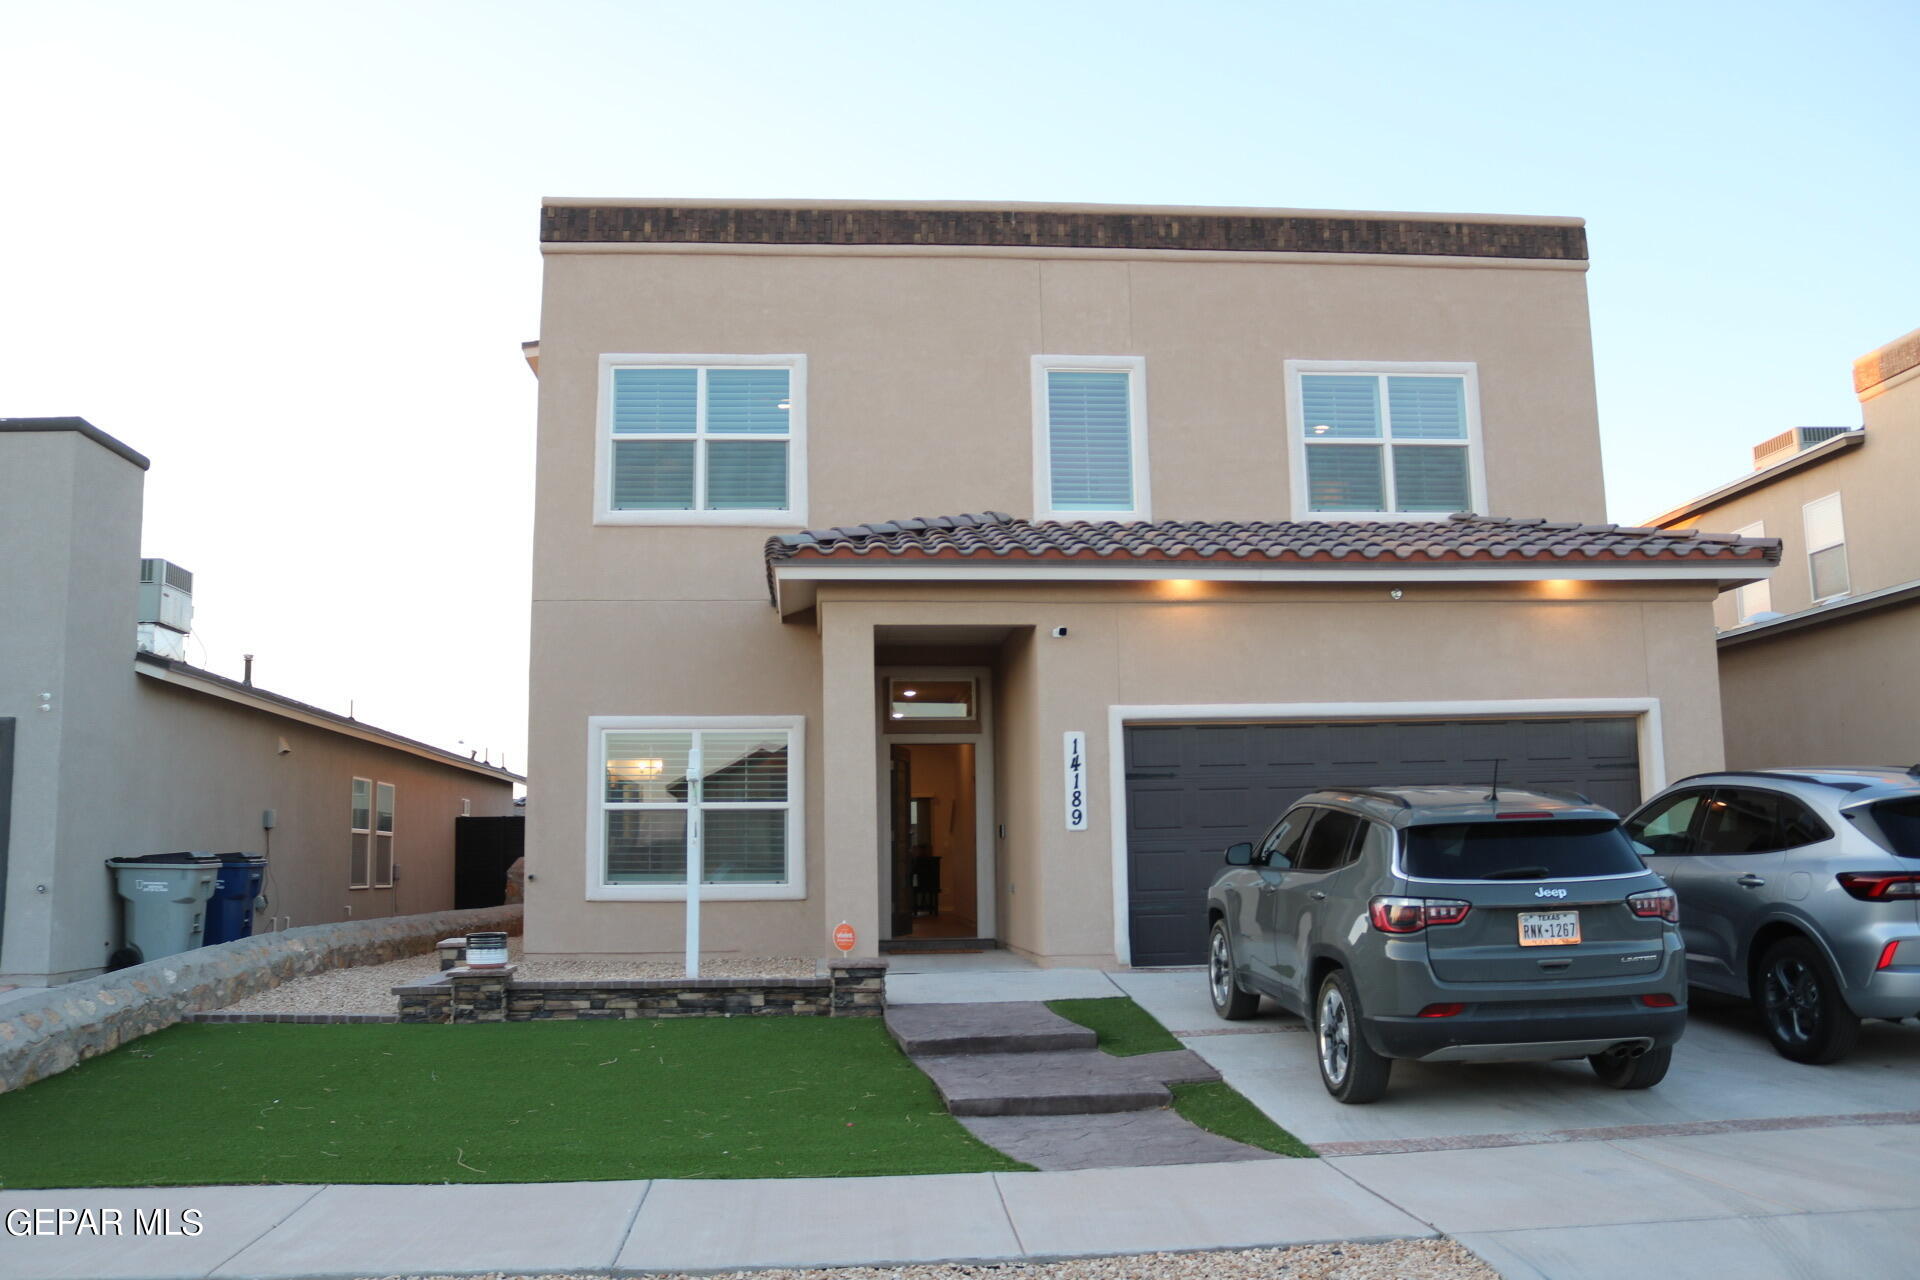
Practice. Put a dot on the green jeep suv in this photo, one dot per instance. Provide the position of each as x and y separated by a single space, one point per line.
1451 924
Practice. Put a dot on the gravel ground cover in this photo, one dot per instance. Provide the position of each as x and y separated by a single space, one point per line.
1383 1260
369 988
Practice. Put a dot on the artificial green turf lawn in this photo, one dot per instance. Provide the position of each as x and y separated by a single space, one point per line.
1126 1029
518 1102
1220 1108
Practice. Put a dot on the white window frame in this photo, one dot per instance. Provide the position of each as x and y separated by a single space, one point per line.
792 516
1135 367
1840 518
373 848
1467 371
366 831
1759 594
598 890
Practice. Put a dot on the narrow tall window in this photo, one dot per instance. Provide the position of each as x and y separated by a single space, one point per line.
383 835
360 823
1089 438
1386 440
1755 597
702 440
1826 548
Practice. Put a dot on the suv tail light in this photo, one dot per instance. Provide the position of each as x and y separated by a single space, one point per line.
1655 904
1411 915
1879 886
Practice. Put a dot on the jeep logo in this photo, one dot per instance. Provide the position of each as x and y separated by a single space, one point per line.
1549 893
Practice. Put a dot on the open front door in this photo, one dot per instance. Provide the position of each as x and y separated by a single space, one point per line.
902 852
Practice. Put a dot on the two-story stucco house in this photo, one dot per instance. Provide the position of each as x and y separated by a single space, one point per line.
1816 664
967 571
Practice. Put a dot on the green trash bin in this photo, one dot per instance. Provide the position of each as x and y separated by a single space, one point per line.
163 903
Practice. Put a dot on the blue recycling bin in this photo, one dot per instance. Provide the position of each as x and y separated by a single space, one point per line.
230 911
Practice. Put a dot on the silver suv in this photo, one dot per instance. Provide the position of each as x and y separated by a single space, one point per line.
1447 925
1800 890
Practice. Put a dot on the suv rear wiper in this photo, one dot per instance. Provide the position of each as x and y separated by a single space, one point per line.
1518 873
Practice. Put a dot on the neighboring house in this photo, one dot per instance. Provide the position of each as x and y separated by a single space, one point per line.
1816 665
1237 445
108 750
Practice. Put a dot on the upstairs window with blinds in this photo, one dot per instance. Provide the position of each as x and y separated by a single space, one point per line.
1826 548
701 443
1089 447
722 800
1386 443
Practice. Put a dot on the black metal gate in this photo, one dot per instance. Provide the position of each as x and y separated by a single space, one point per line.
483 849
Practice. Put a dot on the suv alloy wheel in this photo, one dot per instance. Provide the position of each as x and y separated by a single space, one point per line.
1800 1004
1229 1000
1349 1068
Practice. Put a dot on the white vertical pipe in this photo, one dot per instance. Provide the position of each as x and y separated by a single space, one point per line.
696 860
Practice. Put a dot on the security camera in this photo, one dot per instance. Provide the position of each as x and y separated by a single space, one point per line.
1059 633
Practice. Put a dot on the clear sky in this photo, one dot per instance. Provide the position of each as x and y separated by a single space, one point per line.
289 249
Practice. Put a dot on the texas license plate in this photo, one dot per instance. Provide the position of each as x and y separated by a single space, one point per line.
1549 928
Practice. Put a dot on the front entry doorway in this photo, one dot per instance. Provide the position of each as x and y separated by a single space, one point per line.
934 842
937 845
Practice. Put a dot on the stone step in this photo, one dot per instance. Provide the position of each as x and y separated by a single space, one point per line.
1117 1140
945 1030
1067 1082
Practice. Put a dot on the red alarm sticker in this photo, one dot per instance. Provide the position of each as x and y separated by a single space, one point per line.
843 936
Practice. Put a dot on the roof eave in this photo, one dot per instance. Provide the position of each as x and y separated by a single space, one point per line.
185 676
1822 452
794 582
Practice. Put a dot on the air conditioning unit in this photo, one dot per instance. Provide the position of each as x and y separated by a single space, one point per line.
166 608
1795 441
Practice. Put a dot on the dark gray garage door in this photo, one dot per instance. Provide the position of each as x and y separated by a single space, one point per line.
1194 789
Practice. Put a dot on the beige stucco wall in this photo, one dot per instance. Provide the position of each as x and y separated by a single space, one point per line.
1173 643
919 382
122 764
1875 482
919 402
1187 644
1839 693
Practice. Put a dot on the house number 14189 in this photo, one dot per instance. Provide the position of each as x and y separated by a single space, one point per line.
1076 781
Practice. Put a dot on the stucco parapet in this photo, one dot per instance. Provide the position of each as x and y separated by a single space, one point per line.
44 1033
1887 362
1060 228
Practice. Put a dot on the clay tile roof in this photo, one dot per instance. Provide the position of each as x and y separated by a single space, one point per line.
1302 543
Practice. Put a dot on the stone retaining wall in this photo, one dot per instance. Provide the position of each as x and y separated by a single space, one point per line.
843 989
46 1032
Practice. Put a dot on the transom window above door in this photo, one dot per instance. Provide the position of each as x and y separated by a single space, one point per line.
1384 441
702 440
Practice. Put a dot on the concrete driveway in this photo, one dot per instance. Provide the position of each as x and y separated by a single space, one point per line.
1725 1076
1739 1163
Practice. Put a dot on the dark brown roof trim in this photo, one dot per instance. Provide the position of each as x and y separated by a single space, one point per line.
1040 229
82 427
1889 362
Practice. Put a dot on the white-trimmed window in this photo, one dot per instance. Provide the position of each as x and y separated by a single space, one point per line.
370 823
1826 548
717 793
702 439
1090 438
1755 597
1384 441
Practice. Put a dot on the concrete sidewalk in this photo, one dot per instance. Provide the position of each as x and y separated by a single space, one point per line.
1841 1201
277 1233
